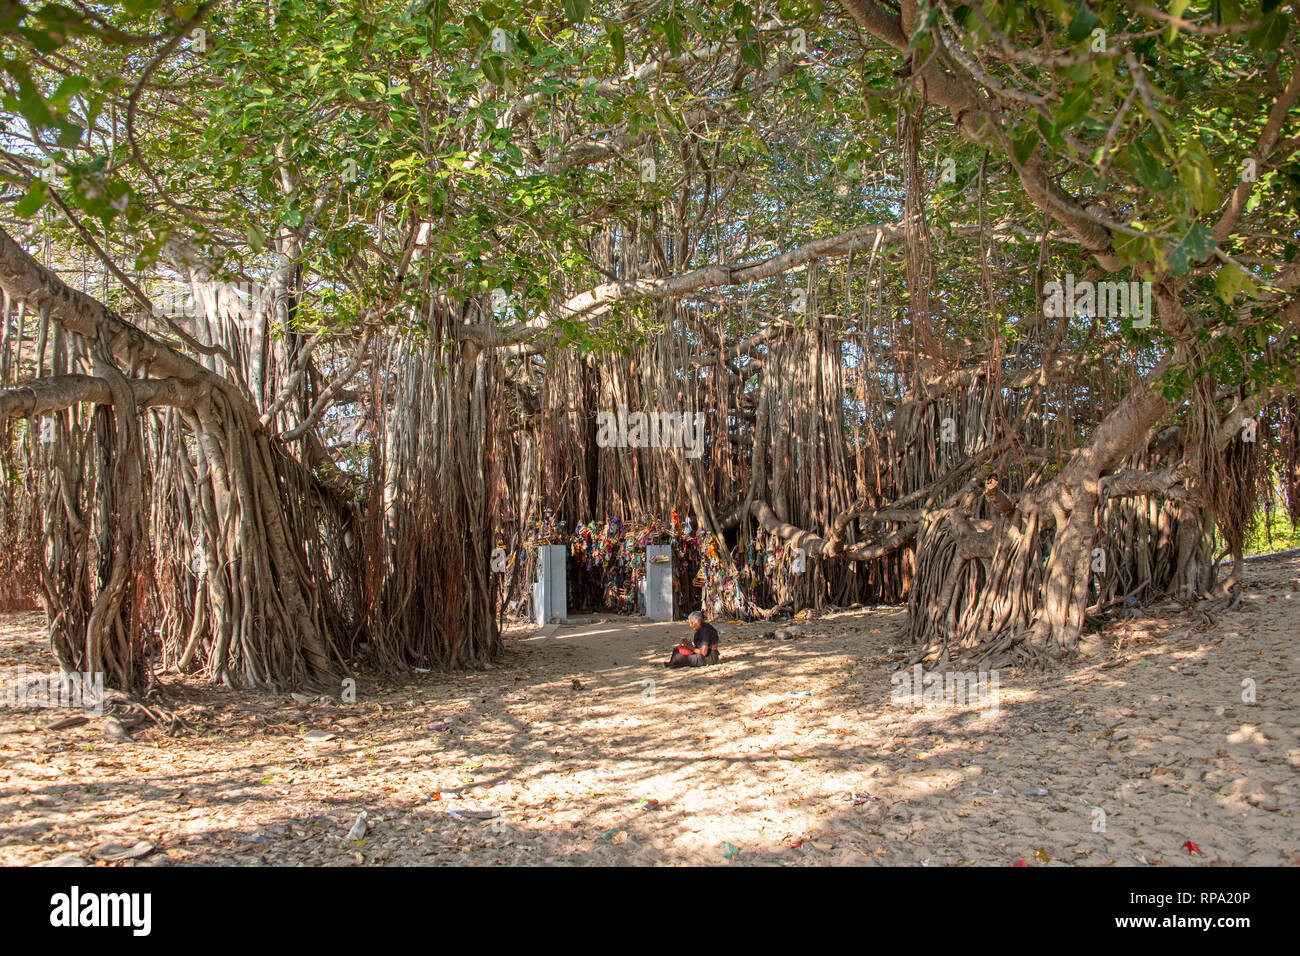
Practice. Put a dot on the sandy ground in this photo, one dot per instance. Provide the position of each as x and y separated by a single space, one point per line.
790 752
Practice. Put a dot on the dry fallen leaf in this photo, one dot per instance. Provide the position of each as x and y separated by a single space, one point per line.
113 853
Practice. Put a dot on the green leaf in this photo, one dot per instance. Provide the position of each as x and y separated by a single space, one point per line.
70 86
30 102
45 41
577 10
1229 281
695 21
1271 32
1226 12
1194 247
1084 22
1023 143
256 238
673 31
1197 174
69 133
1050 132
1154 176
494 69
477 28
616 43
1138 249
1176 9
742 16
33 201
1073 108
923 29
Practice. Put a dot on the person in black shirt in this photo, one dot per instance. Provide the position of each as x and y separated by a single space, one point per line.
706 645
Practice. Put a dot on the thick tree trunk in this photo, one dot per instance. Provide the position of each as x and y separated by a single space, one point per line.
264 619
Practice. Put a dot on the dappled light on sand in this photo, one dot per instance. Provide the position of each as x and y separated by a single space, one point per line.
1116 759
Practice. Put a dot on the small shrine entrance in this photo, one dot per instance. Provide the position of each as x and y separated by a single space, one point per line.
663 570
612 569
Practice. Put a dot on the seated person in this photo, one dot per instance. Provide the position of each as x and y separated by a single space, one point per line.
705 650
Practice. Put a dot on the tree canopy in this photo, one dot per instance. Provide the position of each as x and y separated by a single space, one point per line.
335 292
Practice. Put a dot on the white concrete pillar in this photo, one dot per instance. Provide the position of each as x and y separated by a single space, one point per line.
551 592
659 582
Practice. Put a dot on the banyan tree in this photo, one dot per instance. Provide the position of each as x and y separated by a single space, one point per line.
990 310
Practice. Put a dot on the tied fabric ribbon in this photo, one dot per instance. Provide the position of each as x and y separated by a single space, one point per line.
619 547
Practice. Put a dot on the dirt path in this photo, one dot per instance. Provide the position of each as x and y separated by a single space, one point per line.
789 752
